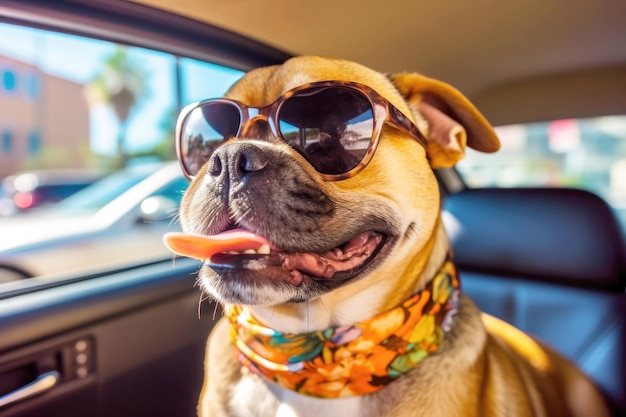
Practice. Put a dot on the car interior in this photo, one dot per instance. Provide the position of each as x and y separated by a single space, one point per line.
523 262
548 258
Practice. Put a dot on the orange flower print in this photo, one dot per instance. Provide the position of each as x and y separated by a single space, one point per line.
350 360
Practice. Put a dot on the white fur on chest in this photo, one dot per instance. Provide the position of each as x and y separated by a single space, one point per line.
321 314
254 397
298 405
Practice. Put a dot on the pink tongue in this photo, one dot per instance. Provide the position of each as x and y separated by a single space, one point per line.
323 265
203 247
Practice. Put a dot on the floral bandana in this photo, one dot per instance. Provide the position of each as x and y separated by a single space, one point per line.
350 360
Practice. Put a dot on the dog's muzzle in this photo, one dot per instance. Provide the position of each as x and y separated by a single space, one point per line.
255 216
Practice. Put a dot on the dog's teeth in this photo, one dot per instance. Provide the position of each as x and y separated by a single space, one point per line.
264 249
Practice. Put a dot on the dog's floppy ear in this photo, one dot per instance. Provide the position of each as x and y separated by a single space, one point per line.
453 122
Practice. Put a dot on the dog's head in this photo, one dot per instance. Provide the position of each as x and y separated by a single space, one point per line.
303 188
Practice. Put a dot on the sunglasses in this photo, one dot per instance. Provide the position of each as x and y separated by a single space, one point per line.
334 125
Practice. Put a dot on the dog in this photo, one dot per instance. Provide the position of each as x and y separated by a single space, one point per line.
338 284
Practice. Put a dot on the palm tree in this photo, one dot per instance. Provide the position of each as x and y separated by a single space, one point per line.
120 83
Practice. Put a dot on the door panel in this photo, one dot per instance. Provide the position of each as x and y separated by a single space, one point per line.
139 334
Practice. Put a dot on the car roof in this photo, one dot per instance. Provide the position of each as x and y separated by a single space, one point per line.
530 53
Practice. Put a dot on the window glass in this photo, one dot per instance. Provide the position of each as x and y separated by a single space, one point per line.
201 80
582 153
87 154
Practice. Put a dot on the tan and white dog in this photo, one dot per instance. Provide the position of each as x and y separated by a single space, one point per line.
318 257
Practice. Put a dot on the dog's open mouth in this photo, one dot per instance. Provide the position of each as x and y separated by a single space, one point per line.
243 249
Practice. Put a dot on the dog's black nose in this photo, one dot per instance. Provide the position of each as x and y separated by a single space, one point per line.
237 160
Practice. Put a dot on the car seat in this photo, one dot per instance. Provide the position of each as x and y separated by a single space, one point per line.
552 262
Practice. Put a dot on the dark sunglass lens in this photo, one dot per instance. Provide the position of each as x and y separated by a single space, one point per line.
205 128
330 126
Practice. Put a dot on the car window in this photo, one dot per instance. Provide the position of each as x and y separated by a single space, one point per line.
87 157
582 153
102 192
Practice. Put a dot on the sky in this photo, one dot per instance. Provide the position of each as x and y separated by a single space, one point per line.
78 59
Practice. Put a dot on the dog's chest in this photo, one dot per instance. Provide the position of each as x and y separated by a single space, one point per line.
298 405
253 397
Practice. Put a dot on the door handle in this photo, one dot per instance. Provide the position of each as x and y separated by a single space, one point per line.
43 383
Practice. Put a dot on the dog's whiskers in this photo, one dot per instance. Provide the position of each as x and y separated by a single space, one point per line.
204 295
175 219
241 215
214 310
198 282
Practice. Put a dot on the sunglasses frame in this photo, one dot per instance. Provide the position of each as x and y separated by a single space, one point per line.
382 112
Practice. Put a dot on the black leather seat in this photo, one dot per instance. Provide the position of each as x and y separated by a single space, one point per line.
552 262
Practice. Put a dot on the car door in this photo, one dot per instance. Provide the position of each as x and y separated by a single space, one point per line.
117 339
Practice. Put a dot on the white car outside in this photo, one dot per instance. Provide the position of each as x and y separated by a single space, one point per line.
112 223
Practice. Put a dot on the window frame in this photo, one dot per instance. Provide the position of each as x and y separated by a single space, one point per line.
139 25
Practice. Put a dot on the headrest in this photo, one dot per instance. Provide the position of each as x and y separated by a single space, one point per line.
551 234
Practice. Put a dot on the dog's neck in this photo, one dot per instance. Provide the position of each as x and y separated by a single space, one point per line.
347 306
377 351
